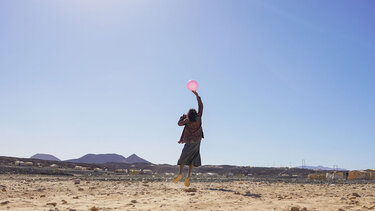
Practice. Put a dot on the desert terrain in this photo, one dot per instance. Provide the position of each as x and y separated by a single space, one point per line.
46 192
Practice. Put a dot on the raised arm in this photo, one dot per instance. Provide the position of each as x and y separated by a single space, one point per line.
182 120
200 104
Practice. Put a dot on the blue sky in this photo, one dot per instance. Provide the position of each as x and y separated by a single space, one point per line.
281 81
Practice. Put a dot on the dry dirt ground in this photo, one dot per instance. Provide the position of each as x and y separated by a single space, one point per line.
24 192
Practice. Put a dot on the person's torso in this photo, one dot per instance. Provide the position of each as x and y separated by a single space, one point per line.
193 131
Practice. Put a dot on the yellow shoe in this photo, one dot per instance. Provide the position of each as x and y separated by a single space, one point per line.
177 178
187 181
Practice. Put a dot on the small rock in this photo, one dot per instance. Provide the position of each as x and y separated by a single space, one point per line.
294 209
64 202
255 195
4 202
190 190
52 203
340 209
94 208
3 189
133 201
75 197
72 210
240 183
80 189
354 202
42 196
304 209
77 181
356 194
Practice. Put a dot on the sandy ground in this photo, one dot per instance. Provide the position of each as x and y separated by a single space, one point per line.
60 193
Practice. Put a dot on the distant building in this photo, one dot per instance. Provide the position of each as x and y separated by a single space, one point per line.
147 171
18 163
98 170
372 173
81 168
359 175
211 174
316 176
342 175
54 166
125 171
134 171
335 176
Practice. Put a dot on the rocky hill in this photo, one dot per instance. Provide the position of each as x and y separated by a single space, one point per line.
135 159
45 157
108 158
99 159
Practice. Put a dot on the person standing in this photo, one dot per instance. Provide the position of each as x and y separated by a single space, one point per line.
191 136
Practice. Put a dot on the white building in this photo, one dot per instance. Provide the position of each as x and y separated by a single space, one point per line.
147 171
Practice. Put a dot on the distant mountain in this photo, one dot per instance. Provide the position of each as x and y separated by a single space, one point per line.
320 168
45 157
135 159
108 158
100 159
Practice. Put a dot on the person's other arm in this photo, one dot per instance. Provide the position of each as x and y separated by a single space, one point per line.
182 120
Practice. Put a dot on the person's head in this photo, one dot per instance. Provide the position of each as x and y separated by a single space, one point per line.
192 115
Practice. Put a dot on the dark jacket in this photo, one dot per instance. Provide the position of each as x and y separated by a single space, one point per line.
193 131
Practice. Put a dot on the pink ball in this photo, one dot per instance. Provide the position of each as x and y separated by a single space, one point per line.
192 85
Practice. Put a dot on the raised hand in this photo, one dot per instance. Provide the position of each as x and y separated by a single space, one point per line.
196 93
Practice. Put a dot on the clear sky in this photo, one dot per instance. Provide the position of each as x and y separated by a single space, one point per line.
281 81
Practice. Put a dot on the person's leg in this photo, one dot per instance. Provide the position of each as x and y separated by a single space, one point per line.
181 168
179 176
190 169
187 179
